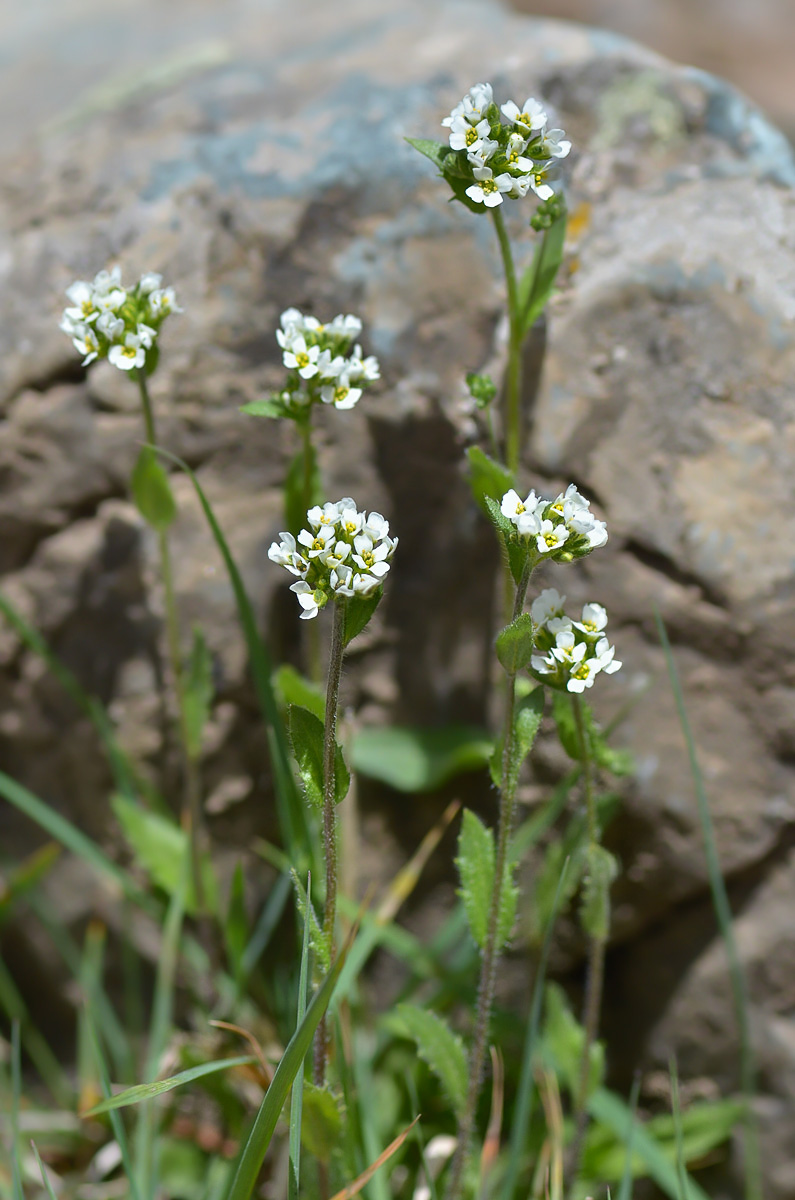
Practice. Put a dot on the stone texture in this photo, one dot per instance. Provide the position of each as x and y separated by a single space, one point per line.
277 175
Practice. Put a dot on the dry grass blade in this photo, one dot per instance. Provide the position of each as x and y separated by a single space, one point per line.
553 1112
491 1142
354 1188
405 881
253 1043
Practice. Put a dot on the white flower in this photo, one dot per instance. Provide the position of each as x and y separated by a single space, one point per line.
110 301
351 521
604 657
149 282
555 144
110 326
316 543
335 555
488 190
551 537
581 675
301 358
521 186
85 341
286 554
329 514
376 527
594 619
129 355
570 502
548 603
83 302
363 368
531 118
557 625
371 556
538 182
340 393
310 599
107 281
545 666
328 367
347 326
146 334
163 301
464 136
480 152
598 535
473 105
514 152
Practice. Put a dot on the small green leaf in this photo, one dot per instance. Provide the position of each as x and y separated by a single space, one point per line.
545 887
515 644
488 478
306 736
419 760
358 611
498 518
297 498
198 683
537 283
160 847
564 1039
459 185
273 407
527 721
294 688
441 1049
618 762
147 1091
475 864
236 928
436 151
320 944
601 869
321 1123
151 491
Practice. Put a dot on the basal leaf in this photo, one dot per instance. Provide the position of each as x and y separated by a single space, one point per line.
440 1048
600 870
419 760
160 847
321 1122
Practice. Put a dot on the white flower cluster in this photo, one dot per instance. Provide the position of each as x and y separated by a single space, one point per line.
562 529
572 652
504 158
107 320
325 361
344 553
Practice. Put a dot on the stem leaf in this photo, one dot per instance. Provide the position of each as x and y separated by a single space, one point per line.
538 281
272 406
527 721
321 1127
440 1048
475 864
306 735
293 688
358 611
436 151
487 478
151 491
601 869
618 762
515 644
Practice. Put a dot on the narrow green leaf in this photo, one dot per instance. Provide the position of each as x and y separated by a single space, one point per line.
515 644
16 1095
498 518
475 864
358 611
441 1049
487 478
625 1188
272 406
322 1122
198 682
419 760
292 815
600 870
45 1177
538 281
297 1096
319 943
294 688
116 1123
436 151
160 846
148 1091
236 925
256 1146
295 488
563 1042
151 491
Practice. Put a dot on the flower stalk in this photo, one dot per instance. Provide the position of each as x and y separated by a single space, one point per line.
512 432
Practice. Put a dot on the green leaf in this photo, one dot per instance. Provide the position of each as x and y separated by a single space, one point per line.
488 478
538 281
307 736
198 684
618 762
564 1038
160 847
436 151
600 870
321 1125
515 644
297 500
475 864
236 926
526 723
295 688
256 1146
151 491
459 187
147 1091
358 611
441 1049
419 760
320 944
548 874
273 407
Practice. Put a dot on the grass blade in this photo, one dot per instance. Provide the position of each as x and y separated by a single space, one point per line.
523 1107
354 1188
45 1176
266 924
297 1098
723 914
36 1045
16 1094
116 1123
625 1187
148 1091
677 1115
292 812
255 1148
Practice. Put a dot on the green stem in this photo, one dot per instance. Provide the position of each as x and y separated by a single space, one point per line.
596 958
313 631
191 808
330 813
491 949
513 376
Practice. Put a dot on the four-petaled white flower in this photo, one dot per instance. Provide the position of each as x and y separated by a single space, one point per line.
555 144
311 599
286 554
371 556
548 603
317 542
473 105
301 358
464 136
340 393
594 619
551 537
344 325
129 355
605 657
85 342
363 368
488 190
531 118
163 301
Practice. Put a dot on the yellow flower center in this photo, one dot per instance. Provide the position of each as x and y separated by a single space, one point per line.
580 672
488 186
551 539
368 558
129 351
302 359
318 544
350 527
590 626
87 307
471 136
520 508
340 393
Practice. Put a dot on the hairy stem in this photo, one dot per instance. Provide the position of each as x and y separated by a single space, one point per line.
512 417
191 807
491 950
313 632
330 812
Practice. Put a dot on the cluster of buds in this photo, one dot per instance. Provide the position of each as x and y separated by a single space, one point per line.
344 553
503 157
107 320
325 361
571 653
561 529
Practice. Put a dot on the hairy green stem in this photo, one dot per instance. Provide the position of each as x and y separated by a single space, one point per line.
491 950
330 813
313 632
513 376
596 958
191 809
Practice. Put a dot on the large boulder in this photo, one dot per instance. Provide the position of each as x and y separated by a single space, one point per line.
269 169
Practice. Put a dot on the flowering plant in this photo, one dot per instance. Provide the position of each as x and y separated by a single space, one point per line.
107 320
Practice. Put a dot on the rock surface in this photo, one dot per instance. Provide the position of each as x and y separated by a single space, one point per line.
276 174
